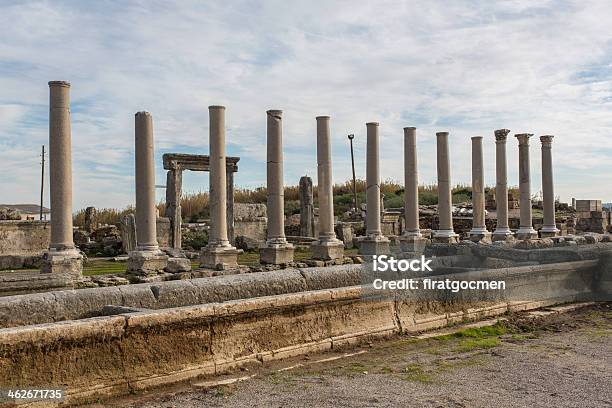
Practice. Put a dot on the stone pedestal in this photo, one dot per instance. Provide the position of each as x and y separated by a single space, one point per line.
276 255
502 230
327 250
328 247
525 230
411 245
218 251
68 263
219 257
146 262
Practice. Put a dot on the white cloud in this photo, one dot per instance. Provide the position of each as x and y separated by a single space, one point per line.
467 67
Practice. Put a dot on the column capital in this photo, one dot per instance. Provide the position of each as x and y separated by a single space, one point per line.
409 128
441 133
65 84
143 113
476 137
523 138
212 107
546 139
372 124
501 135
274 112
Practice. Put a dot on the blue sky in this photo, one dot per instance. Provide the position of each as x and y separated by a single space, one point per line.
467 67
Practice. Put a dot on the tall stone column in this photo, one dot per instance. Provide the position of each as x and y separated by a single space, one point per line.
502 229
445 232
277 250
479 228
525 230
306 207
219 253
411 240
328 247
147 259
62 256
374 243
549 229
174 184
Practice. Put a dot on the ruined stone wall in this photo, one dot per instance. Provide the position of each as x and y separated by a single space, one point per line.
22 243
250 225
129 350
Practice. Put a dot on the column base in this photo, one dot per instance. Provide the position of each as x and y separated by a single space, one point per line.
445 237
411 244
374 245
526 233
549 231
147 262
68 263
480 235
276 254
327 250
502 234
227 256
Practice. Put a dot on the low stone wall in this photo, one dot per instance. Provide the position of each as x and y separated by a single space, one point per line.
22 243
103 356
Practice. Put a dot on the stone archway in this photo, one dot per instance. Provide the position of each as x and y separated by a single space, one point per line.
175 163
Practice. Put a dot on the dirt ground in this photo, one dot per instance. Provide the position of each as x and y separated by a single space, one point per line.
556 360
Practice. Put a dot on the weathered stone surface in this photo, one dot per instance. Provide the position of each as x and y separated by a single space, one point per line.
307 227
327 250
147 262
535 244
176 265
276 255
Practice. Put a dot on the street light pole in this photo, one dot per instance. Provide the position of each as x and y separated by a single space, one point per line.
351 137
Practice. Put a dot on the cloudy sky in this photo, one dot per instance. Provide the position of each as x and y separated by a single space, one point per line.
467 67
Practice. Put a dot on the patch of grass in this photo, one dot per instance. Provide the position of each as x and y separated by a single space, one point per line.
415 372
476 332
104 267
476 344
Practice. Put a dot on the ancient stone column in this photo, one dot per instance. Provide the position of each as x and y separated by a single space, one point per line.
374 243
479 229
147 258
219 253
277 250
549 229
62 256
327 247
174 184
525 230
502 230
445 232
306 207
411 240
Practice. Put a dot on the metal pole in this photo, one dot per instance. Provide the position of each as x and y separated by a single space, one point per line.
351 137
42 182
